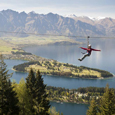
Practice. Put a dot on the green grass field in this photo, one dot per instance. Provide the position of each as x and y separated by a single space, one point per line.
37 40
55 66
7 44
6 47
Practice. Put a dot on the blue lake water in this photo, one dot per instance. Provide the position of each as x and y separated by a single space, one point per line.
71 108
69 54
104 60
71 83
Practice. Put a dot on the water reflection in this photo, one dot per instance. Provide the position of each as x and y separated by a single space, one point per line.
70 54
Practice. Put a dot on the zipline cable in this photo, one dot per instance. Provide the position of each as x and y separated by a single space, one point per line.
88 40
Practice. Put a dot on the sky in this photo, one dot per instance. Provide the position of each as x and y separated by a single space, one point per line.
91 8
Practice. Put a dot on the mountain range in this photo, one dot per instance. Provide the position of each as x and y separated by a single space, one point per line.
12 21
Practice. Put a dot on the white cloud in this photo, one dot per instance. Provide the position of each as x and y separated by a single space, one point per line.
62 7
4 6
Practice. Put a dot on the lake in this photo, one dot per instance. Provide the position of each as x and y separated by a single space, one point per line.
66 108
69 54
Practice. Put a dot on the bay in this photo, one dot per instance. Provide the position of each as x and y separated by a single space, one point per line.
69 54
70 108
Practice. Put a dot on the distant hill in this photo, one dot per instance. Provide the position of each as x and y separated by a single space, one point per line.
50 23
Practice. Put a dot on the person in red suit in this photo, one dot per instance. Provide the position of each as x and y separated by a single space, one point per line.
89 50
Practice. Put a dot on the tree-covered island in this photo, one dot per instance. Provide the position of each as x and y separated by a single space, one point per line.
53 67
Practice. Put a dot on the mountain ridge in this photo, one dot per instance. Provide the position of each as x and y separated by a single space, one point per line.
50 23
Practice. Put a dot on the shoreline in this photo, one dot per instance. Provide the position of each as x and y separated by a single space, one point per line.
32 57
63 42
68 77
61 102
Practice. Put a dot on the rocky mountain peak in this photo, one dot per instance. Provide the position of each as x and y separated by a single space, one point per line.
53 23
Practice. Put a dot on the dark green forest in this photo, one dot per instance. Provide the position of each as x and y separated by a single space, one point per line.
25 98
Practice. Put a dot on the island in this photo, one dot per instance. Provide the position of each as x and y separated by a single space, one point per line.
53 67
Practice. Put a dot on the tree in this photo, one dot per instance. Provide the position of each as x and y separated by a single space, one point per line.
23 97
12 107
107 103
8 99
92 108
44 103
38 97
31 90
54 112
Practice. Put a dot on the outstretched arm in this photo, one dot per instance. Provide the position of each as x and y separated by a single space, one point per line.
95 49
83 48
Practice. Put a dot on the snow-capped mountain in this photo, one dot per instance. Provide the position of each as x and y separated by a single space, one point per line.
85 17
50 23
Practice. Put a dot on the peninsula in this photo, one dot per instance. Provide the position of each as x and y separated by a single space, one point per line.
53 67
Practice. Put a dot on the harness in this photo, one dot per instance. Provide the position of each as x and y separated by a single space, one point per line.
87 44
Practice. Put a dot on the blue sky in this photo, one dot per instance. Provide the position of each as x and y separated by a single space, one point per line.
92 8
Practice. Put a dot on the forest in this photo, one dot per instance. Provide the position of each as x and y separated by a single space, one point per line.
26 98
